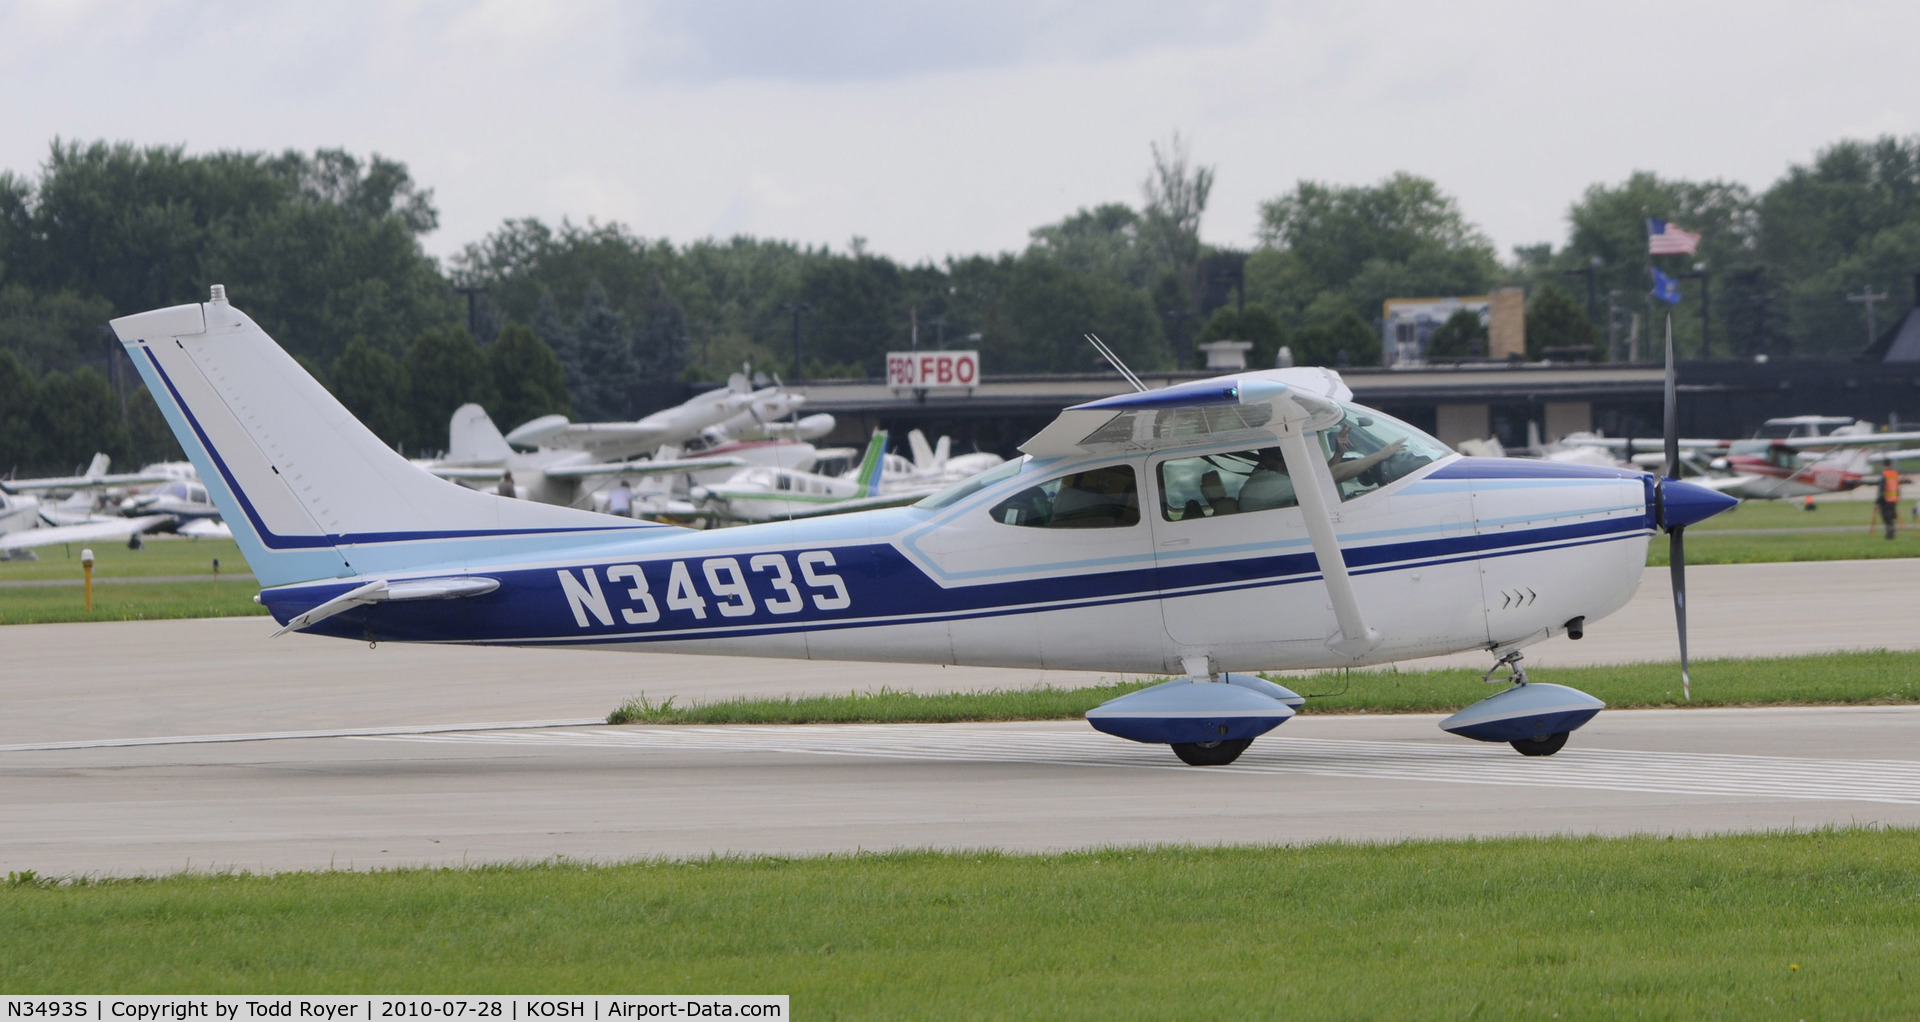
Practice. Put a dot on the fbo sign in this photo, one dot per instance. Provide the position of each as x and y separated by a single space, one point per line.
924 369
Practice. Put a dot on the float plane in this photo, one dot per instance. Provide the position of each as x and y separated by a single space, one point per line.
1258 521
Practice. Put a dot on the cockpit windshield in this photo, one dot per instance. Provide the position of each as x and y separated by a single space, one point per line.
973 484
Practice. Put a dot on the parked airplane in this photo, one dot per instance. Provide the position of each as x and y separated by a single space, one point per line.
27 522
1339 537
622 441
1789 457
477 454
769 494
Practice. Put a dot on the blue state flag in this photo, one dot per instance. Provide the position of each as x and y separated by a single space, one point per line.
1666 288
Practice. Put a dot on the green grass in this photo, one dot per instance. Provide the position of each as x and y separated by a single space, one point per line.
1854 544
1877 677
1808 925
1706 548
161 555
170 556
1787 514
134 601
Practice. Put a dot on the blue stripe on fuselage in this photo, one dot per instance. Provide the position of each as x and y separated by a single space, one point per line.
885 587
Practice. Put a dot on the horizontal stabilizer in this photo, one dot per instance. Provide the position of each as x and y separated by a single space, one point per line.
383 591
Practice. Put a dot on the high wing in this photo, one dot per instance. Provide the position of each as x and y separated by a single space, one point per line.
557 431
470 473
92 532
852 504
1640 444
1258 407
96 476
589 470
1803 443
641 467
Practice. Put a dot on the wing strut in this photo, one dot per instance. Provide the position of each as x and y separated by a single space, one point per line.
1313 487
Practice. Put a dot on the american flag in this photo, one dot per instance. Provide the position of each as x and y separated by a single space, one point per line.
1664 238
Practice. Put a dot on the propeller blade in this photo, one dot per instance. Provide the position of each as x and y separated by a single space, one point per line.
1677 549
1677 571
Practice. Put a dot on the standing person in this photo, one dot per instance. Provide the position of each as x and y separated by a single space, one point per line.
506 485
620 500
1888 500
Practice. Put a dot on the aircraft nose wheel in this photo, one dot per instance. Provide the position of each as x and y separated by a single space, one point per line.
1541 746
1225 751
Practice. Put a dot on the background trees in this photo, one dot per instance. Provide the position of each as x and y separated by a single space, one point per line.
599 321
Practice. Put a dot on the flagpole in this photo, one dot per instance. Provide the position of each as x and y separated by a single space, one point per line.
1646 220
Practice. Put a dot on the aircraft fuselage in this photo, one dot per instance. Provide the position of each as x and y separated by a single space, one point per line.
1462 554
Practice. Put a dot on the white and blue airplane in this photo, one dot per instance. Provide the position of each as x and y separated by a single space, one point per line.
1260 521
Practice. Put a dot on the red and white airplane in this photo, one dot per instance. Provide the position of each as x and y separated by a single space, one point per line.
1791 457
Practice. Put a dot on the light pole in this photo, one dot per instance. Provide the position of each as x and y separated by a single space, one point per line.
799 363
1591 271
473 292
1868 298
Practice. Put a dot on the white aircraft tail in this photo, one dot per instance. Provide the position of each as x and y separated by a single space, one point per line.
922 452
98 466
309 492
473 439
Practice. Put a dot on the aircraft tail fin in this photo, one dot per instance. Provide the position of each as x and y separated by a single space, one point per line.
873 464
98 466
922 451
473 439
309 492
1534 446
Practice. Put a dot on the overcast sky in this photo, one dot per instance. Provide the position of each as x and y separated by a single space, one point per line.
954 128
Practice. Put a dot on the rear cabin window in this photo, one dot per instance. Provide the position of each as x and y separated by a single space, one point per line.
1224 484
1097 498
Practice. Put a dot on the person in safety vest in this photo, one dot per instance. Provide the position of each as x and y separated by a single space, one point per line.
1887 502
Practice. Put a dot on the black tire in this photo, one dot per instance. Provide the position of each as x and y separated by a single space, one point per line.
1212 753
1541 746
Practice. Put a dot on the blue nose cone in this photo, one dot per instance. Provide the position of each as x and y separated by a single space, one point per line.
1684 503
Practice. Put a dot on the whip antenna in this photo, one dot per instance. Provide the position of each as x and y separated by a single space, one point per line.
1114 360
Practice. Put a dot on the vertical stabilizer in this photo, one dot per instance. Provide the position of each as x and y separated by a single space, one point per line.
922 451
309 492
872 465
473 439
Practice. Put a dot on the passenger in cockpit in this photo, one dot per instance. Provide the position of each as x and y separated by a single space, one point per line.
1269 486
1215 492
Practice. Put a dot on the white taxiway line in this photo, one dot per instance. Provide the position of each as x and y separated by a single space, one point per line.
1619 770
274 736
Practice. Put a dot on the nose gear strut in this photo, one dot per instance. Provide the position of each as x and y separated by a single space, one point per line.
1512 663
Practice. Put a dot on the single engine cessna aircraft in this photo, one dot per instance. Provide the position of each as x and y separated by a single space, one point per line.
1247 522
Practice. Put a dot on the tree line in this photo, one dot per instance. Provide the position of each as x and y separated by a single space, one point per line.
598 321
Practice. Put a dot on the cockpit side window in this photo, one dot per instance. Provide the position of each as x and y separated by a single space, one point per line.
1107 497
1213 485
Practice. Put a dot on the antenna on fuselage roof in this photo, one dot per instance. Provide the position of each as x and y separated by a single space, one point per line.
1114 360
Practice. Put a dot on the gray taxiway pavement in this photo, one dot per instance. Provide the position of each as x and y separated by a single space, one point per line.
103 766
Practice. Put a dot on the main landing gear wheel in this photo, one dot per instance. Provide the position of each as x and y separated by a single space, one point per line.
1225 751
1541 746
